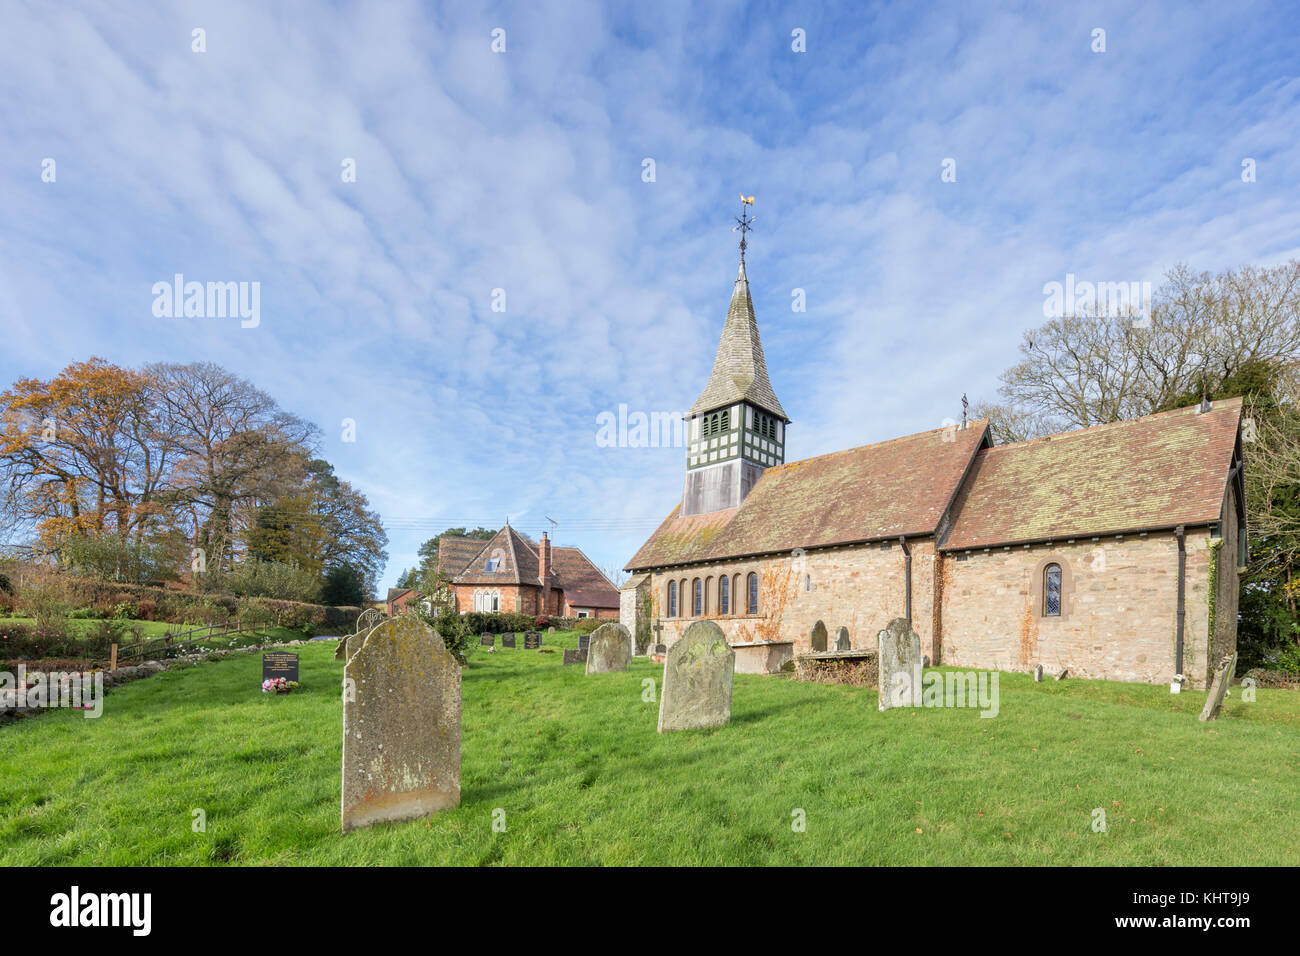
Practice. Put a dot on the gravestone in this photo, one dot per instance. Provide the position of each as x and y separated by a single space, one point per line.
584 640
698 676
610 649
532 640
1219 688
575 657
401 725
507 640
487 640
660 649
817 640
899 659
368 619
842 642
1038 673
551 629
279 664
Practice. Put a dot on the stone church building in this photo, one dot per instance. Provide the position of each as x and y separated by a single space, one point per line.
1112 551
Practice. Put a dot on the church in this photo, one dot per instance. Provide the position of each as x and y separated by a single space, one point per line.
1110 552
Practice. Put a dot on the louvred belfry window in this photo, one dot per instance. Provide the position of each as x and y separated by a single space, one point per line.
1052 590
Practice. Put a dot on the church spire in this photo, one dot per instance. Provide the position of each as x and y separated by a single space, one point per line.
739 369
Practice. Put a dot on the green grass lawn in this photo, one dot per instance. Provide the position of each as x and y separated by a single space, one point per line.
583 778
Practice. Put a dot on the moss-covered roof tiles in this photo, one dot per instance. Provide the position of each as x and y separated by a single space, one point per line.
897 487
1144 474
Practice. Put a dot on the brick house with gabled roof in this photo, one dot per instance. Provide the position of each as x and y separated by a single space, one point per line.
511 572
1112 552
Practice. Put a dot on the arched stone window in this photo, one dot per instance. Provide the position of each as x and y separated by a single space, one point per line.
751 586
697 598
672 598
1052 591
724 595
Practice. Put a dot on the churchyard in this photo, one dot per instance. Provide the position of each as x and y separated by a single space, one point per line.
568 765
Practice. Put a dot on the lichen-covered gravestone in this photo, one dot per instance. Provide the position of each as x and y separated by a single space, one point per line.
842 642
817 639
1219 688
401 725
609 649
899 658
698 675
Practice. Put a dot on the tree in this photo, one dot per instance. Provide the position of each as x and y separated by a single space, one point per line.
345 585
237 449
86 452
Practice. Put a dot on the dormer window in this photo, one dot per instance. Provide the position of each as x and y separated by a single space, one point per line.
493 565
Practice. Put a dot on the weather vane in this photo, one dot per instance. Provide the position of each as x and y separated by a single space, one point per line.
745 222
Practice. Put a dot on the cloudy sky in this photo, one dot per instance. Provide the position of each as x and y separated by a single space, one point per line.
524 170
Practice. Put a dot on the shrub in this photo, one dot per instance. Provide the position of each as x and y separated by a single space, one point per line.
586 625
273 579
48 603
147 609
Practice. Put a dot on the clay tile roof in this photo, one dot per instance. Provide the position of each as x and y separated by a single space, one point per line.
595 598
1144 474
455 553
517 561
898 487
577 575
739 369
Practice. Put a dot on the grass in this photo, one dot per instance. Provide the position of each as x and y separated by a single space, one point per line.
583 778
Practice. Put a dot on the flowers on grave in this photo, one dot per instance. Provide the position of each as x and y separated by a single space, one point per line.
278 685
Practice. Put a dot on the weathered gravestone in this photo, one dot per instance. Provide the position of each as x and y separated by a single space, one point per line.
507 640
609 649
698 675
899 659
1219 688
575 657
842 642
817 640
401 725
369 618
584 640
487 640
1038 673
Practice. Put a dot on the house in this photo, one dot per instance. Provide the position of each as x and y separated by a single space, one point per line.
511 572
398 598
1113 551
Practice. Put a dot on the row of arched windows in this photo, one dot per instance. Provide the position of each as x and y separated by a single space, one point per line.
712 596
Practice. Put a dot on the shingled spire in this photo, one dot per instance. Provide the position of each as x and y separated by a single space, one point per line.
737 425
739 369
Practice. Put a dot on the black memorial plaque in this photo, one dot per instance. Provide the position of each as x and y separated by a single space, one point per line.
279 664
532 640
507 640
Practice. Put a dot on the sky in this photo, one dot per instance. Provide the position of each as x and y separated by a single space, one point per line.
539 225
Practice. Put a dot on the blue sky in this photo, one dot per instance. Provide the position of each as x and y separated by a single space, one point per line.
523 171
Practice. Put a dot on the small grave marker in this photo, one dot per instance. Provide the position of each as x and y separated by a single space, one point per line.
575 657
279 664
532 640
507 640
487 640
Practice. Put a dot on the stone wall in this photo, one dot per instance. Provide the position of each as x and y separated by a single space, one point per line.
1119 608
860 587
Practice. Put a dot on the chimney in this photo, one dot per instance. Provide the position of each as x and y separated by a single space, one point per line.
543 571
